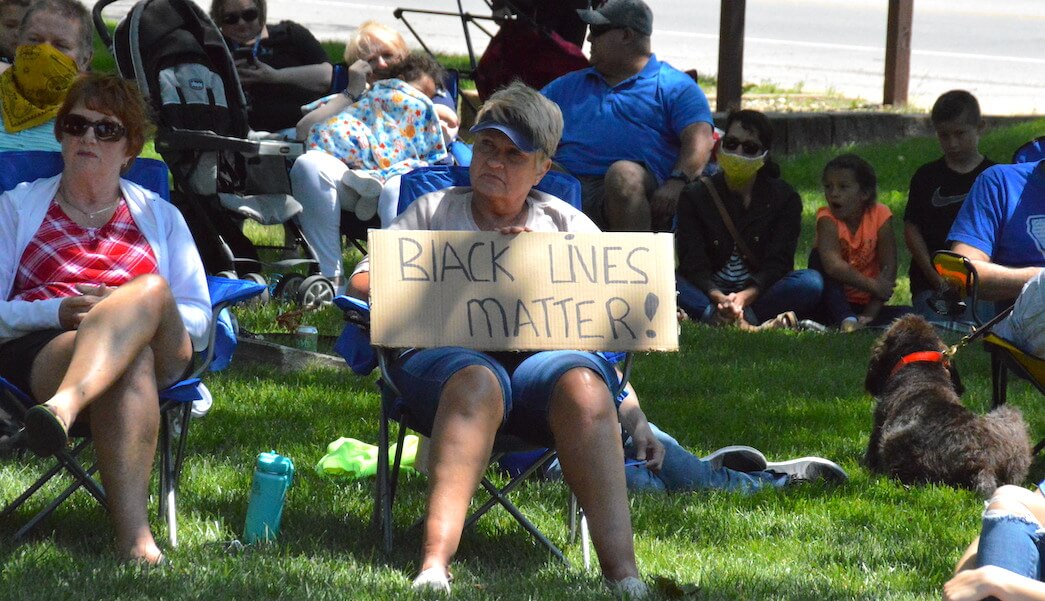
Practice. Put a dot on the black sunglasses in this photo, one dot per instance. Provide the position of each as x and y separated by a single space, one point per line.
104 129
597 30
750 148
248 16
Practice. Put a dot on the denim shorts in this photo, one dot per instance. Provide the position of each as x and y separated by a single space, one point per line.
527 381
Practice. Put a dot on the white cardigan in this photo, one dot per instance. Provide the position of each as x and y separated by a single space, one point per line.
22 210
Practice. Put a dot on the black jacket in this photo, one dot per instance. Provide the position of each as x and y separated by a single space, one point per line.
770 227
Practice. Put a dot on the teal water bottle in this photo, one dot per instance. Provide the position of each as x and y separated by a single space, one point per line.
273 475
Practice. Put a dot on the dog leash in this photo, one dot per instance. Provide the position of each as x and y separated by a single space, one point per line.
973 335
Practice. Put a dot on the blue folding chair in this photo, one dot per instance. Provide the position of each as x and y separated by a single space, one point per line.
354 346
1030 152
175 401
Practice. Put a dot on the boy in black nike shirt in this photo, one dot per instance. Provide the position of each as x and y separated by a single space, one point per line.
938 190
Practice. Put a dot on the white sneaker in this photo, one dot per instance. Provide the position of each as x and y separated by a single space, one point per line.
739 458
629 589
808 469
435 580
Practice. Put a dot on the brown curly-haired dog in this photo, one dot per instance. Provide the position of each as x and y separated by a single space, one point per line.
922 432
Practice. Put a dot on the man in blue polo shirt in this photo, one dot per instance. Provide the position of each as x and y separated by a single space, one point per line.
636 130
1001 229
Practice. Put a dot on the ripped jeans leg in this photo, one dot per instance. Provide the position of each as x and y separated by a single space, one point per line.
1011 540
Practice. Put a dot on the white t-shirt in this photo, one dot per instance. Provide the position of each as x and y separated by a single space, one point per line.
451 210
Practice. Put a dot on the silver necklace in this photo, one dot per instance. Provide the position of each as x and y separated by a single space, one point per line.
88 214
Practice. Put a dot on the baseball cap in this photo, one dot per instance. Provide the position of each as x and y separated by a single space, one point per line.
520 136
633 14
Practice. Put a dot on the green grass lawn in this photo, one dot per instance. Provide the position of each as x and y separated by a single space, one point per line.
787 393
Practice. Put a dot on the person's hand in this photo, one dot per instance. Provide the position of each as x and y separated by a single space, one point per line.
883 288
72 309
647 447
511 230
253 72
664 203
358 74
732 307
973 585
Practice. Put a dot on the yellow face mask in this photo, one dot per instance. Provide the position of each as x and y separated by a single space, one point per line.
32 90
739 169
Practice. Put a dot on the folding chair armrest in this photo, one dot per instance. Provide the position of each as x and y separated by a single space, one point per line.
224 293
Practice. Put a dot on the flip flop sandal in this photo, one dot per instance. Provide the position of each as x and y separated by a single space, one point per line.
785 321
46 433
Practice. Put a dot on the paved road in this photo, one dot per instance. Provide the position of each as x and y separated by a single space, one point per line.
990 48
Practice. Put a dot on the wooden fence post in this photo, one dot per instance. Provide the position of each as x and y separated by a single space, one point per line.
898 51
730 54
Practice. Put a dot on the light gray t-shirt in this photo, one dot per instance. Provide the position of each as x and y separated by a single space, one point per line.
1025 326
451 210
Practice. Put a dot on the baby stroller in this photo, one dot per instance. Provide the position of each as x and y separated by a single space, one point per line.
222 173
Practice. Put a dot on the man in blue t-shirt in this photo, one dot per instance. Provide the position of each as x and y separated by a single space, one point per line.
636 130
1001 228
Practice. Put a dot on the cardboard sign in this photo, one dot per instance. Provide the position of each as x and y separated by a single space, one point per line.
532 291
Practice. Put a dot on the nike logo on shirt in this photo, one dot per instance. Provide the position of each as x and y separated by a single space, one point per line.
939 200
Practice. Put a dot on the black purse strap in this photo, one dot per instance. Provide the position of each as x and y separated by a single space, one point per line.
746 253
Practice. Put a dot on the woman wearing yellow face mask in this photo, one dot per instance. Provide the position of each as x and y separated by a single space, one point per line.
54 46
736 237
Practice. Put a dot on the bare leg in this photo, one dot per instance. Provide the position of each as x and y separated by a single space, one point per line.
471 409
124 424
127 346
588 441
627 190
138 314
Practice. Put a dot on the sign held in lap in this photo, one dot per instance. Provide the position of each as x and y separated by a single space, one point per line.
532 291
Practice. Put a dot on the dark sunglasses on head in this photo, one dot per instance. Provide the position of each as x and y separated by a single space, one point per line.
248 16
750 148
597 30
104 129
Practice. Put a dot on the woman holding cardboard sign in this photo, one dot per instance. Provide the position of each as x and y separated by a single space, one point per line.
463 397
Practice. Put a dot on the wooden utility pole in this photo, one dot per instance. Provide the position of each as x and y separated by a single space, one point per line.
898 51
730 54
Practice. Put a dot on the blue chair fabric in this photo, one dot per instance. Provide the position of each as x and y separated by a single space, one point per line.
19 166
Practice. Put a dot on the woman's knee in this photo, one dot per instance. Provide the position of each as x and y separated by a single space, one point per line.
473 390
585 394
1012 498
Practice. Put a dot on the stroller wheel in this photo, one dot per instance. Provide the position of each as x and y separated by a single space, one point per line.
257 278
229 275
315 290
287 287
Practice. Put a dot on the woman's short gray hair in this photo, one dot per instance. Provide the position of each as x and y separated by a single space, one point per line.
522 106
66 9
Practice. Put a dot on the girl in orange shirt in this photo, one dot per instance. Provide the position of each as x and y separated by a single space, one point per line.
855 248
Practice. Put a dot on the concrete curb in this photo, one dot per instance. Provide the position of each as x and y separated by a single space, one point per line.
284 358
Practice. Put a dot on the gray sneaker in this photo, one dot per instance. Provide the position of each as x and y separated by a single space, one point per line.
739 458
807 469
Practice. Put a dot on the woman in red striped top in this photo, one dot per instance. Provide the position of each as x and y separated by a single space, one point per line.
104 298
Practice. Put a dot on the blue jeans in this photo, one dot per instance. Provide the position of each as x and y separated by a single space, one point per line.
798 291
836 307
1012 542
684 471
